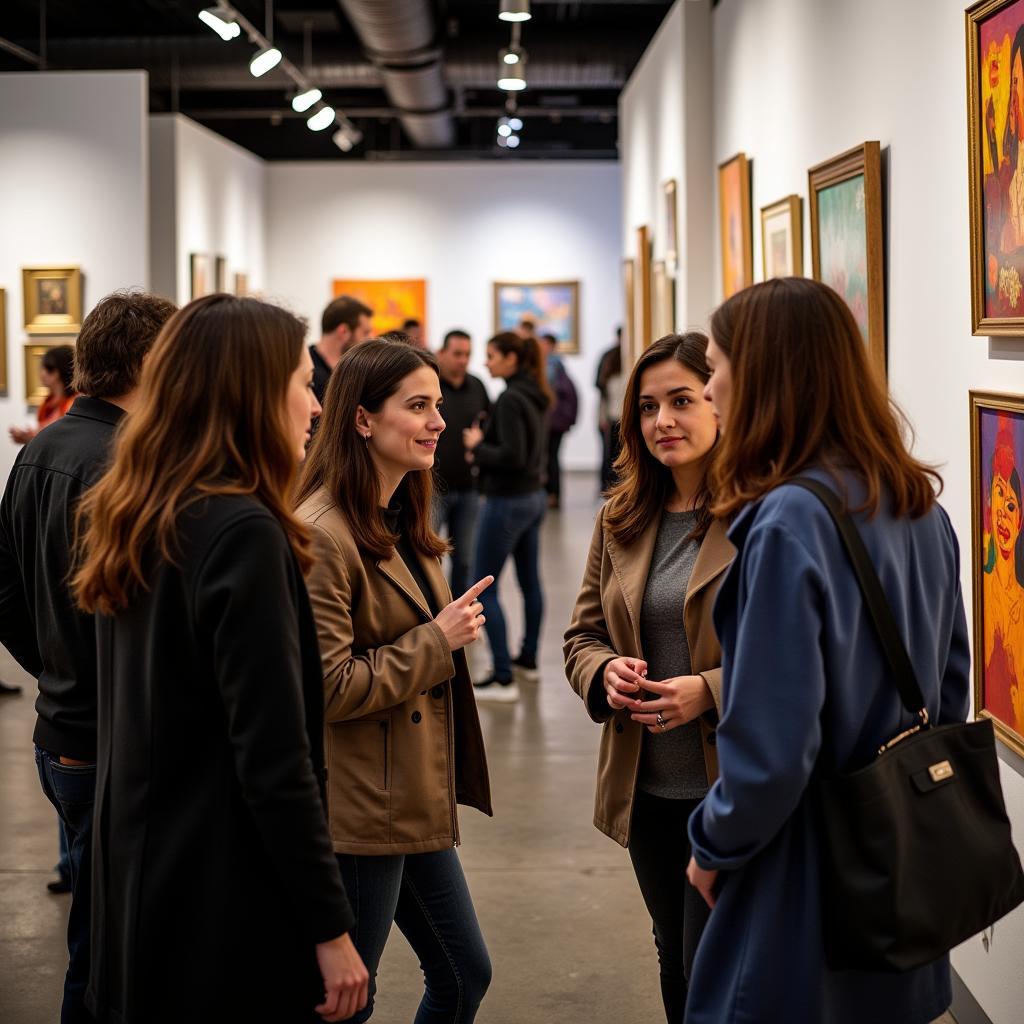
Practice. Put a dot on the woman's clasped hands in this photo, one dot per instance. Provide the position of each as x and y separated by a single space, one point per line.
675 701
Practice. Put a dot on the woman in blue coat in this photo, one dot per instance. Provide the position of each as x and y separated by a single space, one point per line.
804 679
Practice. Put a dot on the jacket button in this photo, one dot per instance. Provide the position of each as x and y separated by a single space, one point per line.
438 692
618 727
416 717
712 739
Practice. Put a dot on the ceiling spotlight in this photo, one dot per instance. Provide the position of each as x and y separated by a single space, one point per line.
503 142
512 141
513 84
322 119
510 55
512 78
304 100
346 137
220 20
515 124
514 10
504 130
264 61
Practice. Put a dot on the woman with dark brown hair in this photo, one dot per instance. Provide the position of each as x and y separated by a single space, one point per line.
403 739
56 371
641 650
216 893
805 688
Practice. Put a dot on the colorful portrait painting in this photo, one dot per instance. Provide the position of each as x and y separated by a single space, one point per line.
552 306
998 467
393 301
735 225
782 238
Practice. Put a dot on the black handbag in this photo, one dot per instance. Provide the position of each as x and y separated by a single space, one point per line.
916 847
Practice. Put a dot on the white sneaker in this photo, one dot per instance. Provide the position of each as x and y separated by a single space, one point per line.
525 673
492 689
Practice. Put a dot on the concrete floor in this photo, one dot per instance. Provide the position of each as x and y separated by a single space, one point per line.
558 903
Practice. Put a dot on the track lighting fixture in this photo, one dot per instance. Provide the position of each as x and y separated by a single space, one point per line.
221 20
265 60
514 10
322 119
304 100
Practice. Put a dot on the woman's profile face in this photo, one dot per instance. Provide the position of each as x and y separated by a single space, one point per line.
1006 516
676 421
50 379
404 432
303 407
718 390
501 364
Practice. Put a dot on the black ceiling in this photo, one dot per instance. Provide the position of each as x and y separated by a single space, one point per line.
580 56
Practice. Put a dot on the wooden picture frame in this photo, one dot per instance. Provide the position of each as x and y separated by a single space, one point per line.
734 224
554 306
669 192
32 354
4 382
241 283
782 238
847 248
52 299
200 277
642 306
997 550
663 301
629 349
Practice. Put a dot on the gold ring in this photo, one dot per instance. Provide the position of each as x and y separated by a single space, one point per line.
660 720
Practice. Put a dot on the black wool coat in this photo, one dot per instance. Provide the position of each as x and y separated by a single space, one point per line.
213 873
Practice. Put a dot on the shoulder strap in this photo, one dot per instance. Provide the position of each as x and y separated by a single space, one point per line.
900 666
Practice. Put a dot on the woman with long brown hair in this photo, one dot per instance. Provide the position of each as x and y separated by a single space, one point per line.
641 650
403 739
805 687
216 893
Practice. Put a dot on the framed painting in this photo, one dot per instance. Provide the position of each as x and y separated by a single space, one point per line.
663 296
220 274
642 306
393 301
782 238
241 283
35 390
995 122
200 275
846 238
52 299
671 227
554 306
734 219
629 350
3 344
997 543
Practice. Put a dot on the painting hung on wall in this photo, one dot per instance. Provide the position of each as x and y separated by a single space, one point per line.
393 301
995 124
3 343
241 283
200 275
642 306
846 238
220 274
52 299
629 350
671 227
553 306
997 465
663 293
35 390
782 238
734 218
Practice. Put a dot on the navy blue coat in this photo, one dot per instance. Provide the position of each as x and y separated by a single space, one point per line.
794 629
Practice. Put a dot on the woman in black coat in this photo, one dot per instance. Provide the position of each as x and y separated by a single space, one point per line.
216 892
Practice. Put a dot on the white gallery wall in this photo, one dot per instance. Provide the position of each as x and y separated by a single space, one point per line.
73 190
461 226
796 82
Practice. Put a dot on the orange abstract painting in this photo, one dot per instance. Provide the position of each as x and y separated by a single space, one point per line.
392 301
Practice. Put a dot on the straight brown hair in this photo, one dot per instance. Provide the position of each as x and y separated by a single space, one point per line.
805 394
644 484
531 359
340 462
211 419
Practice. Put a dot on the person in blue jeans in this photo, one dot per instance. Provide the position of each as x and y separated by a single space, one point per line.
510 455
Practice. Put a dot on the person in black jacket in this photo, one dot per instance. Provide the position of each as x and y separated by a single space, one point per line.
216 894
39 623
511 455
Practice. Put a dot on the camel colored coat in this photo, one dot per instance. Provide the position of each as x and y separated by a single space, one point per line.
606 625
401 734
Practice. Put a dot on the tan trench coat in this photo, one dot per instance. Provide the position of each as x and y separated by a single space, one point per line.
605 625
402 739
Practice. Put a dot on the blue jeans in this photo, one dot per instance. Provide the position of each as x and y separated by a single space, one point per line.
455 513
511 526
426 895
64 864
72 790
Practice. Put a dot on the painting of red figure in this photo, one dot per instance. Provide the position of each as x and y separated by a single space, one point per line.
1001 436
1001 92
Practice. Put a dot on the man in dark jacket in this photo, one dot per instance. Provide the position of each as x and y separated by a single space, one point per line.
39 623
345 322
466 404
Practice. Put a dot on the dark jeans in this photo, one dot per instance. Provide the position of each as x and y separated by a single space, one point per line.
71 790
64 864
554 485
511 526
455 514
660 850
426 895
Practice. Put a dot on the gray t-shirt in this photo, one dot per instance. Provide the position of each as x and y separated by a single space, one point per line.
671 763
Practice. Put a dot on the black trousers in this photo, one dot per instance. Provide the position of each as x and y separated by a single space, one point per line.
554 485
660 850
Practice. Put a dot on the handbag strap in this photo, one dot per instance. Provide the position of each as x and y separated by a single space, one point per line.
900 666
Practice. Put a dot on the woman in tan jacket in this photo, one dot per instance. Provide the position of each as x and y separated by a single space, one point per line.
403 741
641 650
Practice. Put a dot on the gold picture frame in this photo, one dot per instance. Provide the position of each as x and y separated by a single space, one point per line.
200 271
847 248
663 300
4 385
997 561
670 195
782 238
35 392
629 352
642 307
52 299
220 274
734 224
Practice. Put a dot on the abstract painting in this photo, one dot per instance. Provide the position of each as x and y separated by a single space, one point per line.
734 215
553 307
393 301
782 238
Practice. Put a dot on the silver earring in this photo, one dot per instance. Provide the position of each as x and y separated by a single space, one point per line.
366 437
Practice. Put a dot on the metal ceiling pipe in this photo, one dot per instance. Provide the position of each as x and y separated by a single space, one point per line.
400 37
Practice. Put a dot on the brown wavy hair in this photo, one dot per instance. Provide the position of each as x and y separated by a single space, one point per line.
211 419
339 459
805 394
531 359
644 485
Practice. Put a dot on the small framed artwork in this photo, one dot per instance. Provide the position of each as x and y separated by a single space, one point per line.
220 274
3 343
629 350
782 238
995 124
241 283
642 307
663 313
846 238
393 300
35 390
52 299
671 227
200 274
734 217
553 306
997 542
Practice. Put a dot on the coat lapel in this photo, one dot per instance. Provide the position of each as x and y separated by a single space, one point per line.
395 569
713 558
631 566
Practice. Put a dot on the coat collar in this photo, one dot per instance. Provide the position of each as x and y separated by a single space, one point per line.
395 569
